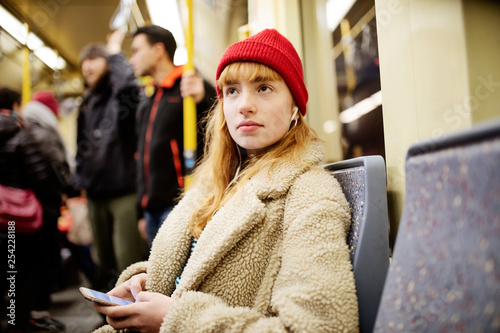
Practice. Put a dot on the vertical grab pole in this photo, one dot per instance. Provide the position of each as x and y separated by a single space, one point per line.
26 90
189 104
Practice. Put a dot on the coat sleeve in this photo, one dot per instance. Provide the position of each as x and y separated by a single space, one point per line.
54 151
316 283
121 73
134 269
314 290
80 144
127 97
38 173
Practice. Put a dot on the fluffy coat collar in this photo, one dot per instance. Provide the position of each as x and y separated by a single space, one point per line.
228 226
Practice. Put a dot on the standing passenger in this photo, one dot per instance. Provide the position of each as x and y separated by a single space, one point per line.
22 165
41 116
160 123
268 231
105 156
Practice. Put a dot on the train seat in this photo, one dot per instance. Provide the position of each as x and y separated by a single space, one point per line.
363 181
445 269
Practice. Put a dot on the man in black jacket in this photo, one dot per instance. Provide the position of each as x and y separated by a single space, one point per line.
160 123
105 164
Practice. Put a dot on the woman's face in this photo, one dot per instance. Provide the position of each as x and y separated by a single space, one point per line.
258 111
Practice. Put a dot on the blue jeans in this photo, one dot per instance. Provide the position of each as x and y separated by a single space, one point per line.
154 220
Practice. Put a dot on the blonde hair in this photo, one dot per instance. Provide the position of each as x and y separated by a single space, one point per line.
221 156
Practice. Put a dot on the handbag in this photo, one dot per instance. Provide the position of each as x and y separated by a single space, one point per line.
20 208
79 231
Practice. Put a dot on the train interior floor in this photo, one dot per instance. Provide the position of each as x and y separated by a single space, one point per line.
67 304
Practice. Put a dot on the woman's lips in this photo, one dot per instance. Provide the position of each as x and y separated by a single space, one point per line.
248 126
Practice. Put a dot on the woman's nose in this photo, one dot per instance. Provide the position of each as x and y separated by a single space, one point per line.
247 102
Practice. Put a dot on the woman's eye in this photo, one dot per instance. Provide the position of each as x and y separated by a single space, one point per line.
265 88
230 91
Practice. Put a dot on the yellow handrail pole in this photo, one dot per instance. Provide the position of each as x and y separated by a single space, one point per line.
189 104
26 90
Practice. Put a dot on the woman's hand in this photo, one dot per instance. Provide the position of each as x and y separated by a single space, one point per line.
130 288
145 315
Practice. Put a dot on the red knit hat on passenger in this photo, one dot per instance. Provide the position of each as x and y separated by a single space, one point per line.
47 98
272 49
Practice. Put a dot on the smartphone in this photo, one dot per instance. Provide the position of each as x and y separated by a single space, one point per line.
102 298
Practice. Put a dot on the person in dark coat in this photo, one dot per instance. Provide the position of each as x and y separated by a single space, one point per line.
22 165
105 163
40 115
160 163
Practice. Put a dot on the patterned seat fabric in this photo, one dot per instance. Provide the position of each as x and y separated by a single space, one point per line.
353 185
445 272
363 182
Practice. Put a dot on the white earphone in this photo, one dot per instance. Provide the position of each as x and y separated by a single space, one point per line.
295 110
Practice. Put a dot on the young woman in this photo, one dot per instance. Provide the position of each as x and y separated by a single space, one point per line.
258 243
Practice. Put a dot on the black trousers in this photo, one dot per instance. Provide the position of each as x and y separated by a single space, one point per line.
30 274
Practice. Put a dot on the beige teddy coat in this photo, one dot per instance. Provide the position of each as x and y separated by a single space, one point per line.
273 259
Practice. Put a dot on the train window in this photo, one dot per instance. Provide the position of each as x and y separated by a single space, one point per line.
355 55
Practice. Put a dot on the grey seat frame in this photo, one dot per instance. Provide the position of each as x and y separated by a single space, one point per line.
369 235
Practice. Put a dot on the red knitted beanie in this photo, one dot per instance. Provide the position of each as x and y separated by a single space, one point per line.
272 49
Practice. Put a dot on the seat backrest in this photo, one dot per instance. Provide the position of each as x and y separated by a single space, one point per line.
445 270
363 182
